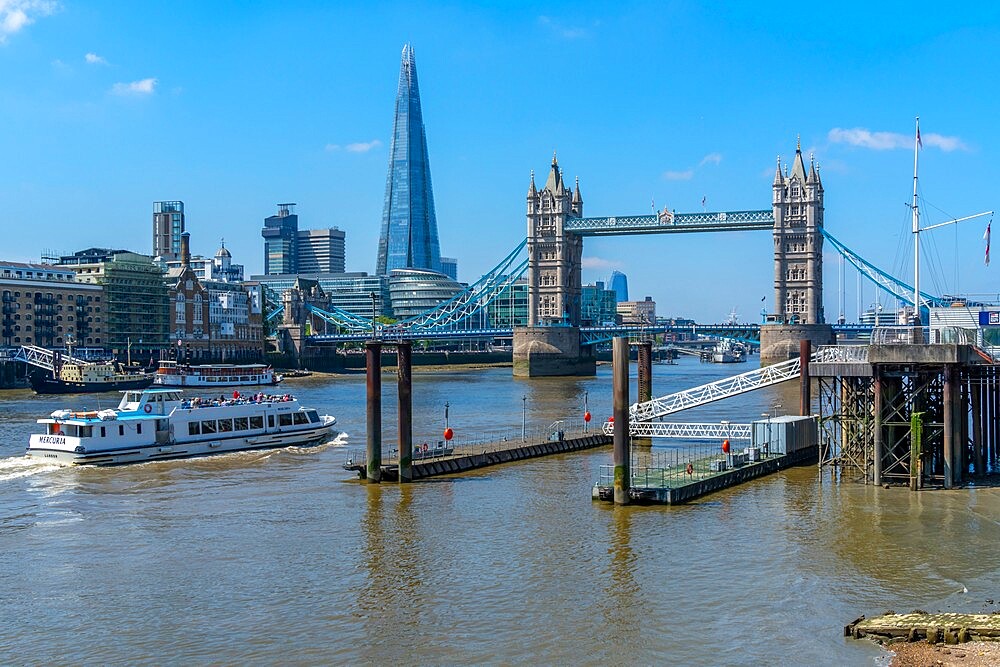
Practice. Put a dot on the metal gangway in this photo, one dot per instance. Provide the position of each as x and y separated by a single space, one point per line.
734 385
42 358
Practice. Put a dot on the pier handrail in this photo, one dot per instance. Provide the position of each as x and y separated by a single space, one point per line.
684 431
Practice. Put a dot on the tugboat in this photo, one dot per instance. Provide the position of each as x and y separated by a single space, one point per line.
66 374
159 424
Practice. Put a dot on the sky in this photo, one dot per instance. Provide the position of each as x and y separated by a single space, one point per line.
234 106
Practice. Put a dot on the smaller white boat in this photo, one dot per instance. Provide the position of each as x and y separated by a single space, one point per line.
174 374
158 424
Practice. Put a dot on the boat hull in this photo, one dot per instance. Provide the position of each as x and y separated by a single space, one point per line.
43 384
182 450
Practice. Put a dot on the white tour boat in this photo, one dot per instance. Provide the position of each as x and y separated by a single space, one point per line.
158 424
173 374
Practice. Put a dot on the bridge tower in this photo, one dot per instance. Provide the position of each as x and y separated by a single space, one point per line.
550 344
797 201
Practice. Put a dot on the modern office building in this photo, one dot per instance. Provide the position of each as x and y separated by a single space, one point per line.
637 312
168 225
136 303
90 256
619 283
43 305
281 235
449 267
415 291
409 235
320 251
510 309
597 305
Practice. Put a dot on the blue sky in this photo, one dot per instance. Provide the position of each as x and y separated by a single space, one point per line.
234 106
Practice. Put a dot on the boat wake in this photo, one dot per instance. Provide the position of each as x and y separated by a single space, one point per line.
15 467
339 441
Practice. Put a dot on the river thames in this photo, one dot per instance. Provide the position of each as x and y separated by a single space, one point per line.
283 558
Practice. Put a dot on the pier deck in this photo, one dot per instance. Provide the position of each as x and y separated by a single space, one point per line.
674 485
464 458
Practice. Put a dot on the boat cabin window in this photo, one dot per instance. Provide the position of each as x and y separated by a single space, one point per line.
313 416
241 424
194 428
285 420
270 421
256 422
225 425
138 427
103 433
121 429
300 418
208 426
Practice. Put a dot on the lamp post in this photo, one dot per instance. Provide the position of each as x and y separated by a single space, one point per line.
524 417
767 445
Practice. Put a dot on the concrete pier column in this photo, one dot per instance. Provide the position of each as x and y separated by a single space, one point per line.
622 456
877 439
805 389
404 363
948 418
373 365
645 371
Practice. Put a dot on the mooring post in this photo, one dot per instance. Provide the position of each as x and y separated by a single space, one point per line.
877 444
622 455
805 395
645 371
373 366
949 426
976 398
404 362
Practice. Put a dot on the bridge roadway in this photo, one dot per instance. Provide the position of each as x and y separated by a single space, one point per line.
591 335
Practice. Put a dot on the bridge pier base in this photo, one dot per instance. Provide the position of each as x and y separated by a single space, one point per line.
780 342
551 351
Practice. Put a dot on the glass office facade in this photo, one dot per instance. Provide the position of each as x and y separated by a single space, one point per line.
281 234
409 236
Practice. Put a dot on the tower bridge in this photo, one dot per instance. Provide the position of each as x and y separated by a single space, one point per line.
551 344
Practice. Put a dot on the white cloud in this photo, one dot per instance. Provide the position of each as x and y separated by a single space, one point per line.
140 87
711 158
562 30
332 147
599 263
884 141
16 14
685 175
362 146
94 59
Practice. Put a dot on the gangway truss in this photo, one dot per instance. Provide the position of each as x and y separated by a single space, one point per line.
42 358
684 431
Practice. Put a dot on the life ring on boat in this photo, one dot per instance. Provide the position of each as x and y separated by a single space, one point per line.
148 408
690 469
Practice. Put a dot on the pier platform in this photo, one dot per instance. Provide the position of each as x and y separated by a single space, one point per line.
463 458
673 486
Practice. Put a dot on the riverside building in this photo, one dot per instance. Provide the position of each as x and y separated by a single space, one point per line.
44 305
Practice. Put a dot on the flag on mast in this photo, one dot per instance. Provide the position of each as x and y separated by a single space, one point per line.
652 204
919 143
987 237
703 202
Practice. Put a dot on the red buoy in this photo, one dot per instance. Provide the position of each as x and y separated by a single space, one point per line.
448 433
586 416
725 446
611 419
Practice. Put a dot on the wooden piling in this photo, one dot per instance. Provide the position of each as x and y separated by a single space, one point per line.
948 418
373 366
978 445
404 363
877 444
805 394
622 455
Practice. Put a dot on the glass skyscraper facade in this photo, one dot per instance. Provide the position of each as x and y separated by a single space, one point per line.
281 235
619 283
409 236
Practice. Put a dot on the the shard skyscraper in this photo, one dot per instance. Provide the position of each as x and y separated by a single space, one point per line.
409 237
